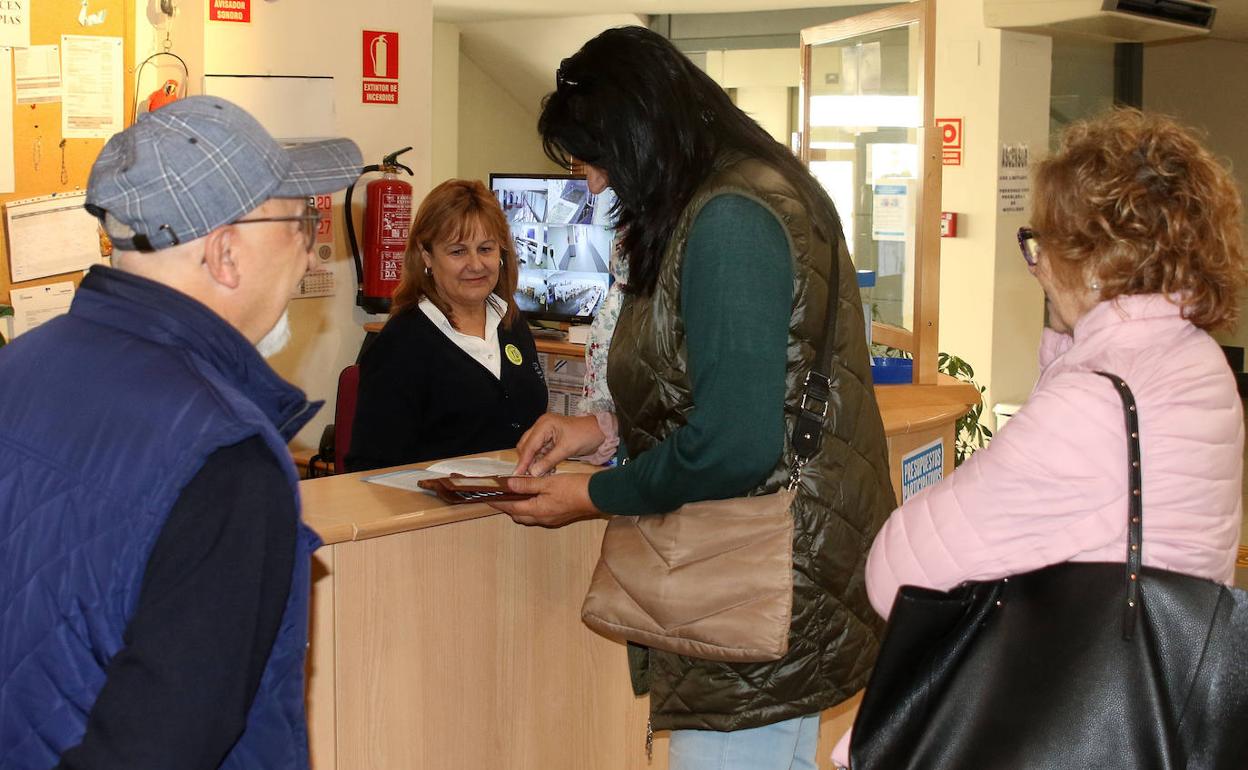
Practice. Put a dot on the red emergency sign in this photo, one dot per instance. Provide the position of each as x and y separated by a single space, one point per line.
229 10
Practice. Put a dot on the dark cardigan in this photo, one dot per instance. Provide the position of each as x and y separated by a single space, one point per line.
423 398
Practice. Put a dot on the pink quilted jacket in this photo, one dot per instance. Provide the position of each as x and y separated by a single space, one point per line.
1052 484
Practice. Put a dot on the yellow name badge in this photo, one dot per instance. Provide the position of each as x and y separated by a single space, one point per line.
513 354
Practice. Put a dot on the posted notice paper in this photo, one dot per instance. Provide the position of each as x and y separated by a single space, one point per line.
93 86
15 23
37 72
50 236
40 304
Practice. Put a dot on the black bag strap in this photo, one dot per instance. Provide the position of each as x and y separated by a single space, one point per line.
812 409
1135 504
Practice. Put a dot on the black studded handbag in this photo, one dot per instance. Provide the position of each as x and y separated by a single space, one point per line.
1076 665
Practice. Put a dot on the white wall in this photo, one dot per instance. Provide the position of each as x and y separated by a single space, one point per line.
496 132
186 37
505 68
991 311
324 37
445 112
762 79
521 55
1202 84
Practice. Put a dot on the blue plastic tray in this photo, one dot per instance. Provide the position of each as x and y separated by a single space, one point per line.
892 371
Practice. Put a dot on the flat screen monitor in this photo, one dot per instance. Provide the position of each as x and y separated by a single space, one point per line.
563 235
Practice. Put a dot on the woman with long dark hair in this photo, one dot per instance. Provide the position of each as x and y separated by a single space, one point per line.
735 257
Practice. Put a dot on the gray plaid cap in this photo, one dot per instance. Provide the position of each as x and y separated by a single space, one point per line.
201 162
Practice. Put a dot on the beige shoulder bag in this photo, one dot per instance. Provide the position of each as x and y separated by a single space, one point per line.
712 579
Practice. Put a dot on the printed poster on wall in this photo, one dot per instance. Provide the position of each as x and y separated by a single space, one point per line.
1014 179
91 78
15 23
230 10
890 210
380 67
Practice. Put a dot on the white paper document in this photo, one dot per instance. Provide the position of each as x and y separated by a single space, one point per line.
93 86
405 479
37 73
15 23
474 466
50 236
35 306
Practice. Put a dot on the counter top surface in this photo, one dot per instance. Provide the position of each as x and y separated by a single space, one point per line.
912 408
345 507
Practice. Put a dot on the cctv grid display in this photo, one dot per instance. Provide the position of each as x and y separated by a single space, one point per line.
563 241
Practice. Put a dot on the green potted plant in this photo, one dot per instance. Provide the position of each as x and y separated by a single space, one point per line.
971 434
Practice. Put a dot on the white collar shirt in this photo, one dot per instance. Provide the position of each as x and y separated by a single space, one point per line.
483 351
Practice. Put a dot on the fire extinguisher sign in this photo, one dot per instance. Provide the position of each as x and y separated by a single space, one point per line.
381 67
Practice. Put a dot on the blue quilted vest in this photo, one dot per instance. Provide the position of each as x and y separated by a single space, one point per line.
105 414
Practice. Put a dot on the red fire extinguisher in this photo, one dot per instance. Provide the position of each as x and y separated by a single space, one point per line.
387 219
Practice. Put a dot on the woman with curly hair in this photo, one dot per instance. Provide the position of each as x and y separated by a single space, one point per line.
1138 248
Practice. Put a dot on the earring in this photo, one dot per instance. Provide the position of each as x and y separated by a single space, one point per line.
428 272
1094 286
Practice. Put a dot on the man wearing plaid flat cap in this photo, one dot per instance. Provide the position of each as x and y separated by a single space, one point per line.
154 570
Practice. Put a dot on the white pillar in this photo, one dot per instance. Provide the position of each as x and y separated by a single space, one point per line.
997 82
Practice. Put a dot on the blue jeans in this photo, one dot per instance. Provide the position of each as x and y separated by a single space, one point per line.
788 745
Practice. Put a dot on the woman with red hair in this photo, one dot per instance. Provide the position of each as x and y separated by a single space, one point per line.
454 371
1138 247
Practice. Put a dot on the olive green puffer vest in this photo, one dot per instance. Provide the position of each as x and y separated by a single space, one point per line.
845 492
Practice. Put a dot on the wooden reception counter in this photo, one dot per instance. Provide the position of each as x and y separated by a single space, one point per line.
449 637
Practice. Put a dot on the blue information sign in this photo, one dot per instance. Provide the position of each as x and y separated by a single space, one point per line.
921 468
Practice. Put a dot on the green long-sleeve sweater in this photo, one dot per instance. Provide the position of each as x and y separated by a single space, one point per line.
736 300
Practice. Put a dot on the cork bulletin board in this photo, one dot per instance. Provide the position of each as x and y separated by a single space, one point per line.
36 128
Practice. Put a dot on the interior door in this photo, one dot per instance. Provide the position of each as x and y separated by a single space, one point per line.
868 135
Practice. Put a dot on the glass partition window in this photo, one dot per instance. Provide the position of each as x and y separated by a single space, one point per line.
864 147
865 123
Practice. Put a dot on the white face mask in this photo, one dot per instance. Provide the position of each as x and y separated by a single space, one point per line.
273 342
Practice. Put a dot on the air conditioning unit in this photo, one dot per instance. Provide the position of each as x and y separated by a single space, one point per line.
1119 21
